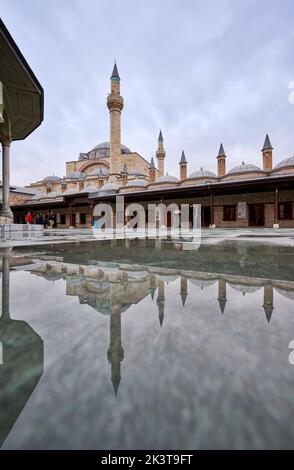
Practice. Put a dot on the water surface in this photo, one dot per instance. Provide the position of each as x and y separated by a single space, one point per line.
140 345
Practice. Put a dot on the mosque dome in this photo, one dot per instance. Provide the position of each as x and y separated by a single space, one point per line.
245 168
51 179
102 151
167 179
288 162
202 173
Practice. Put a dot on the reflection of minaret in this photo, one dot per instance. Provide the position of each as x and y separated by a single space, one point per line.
160 301
115 353
184 290
21 364
152 284
222 294
268 303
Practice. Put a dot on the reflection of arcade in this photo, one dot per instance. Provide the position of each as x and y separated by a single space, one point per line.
21 360
112 288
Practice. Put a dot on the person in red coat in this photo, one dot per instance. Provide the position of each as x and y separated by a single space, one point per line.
28 218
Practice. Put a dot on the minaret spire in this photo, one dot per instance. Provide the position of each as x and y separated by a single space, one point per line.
115 104
160 154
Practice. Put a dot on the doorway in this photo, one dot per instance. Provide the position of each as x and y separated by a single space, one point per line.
256 215
205 216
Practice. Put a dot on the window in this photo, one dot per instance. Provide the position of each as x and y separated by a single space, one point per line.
62 219
285 211
83 219
229 213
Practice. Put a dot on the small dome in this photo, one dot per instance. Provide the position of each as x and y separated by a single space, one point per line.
38 195
76 175
99 172
167 179
137 183
285 163
245 168
109 187
202 173
69 191
51 179
53 194
89 189
137 173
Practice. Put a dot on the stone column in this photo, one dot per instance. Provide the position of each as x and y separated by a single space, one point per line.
276 209
6 211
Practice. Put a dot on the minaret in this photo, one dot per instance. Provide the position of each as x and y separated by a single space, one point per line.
160 301
124 175
115 105
115 353
221 162
184 290
152 285
222 294
268 303
183 167
152 171
160 155
267 154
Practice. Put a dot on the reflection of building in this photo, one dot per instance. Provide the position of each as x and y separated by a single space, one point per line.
246 195
112 288
21 361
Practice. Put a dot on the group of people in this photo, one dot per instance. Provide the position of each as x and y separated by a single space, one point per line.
47 221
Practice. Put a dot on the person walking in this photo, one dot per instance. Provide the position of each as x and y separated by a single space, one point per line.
29 218
51 220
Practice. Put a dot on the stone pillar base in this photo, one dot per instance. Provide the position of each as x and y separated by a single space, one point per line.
5 220
276 226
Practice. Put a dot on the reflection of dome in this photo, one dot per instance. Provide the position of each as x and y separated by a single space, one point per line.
245 289
51 179
137 183
102 151
289 294
202 173
167 179
245 168
285 163
202 282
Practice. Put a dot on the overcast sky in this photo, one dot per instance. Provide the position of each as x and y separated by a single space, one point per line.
203 72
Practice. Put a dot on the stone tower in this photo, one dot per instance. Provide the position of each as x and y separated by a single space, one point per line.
160 155
152 171
267 154
115 104
221 162
183 167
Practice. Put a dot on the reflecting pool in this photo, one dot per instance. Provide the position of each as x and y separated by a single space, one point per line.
142 345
